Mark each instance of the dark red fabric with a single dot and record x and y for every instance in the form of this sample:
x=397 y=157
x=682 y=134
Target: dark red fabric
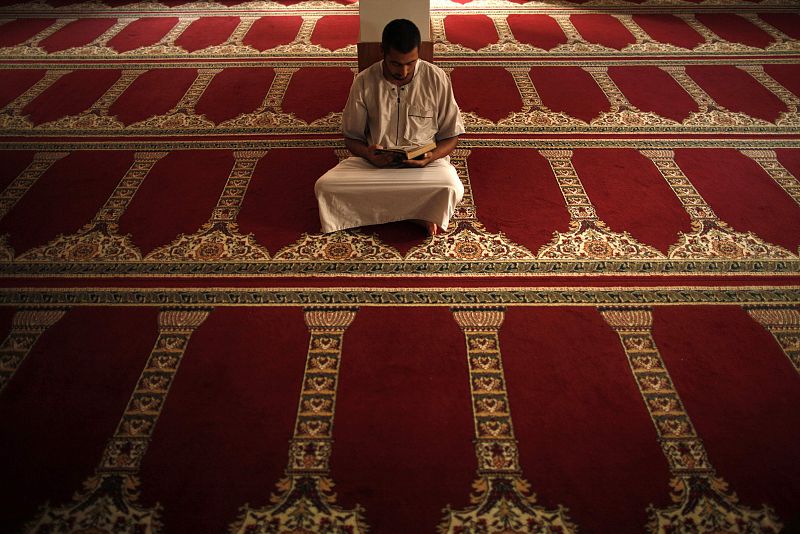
x=335 y=32
x=471 y=31
x=742 y=194
x=142 y=32
x=64 y=404
x=651 y=89
x=83 y=88
x=788 y=23
x=207 y=31
x=541 y=31
x=416 y=355
x=571 y=90
x=6 y=316
x=734 y=28
x=314 y=92
x=269 y=32
x=233 y=92
x=739 y=389
x=522 y=174
x=153 y=93
x=788 y=75
x=735 y=89
x=579 y=416
x=631 y=195
x=489 y=92
x=666 y=28
x=603 y=29
x=17 y=31
x=14 y=162
x=177 y=197
x=227 y=418
x=16 y=81
x=85 y=178
x=280 y=203
x=77 y=33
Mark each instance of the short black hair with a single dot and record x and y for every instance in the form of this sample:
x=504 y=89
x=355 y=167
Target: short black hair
x=401 y=35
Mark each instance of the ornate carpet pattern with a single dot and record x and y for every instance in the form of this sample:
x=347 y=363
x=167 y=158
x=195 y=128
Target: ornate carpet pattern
x=183 y=351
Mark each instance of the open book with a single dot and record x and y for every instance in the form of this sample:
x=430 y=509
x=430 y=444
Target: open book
x=402 y=154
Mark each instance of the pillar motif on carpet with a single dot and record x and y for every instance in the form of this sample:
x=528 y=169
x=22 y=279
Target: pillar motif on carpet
x=305 y=501
x=790 y=117
x=219 y=238
x=588 y=236
x=97 y=117
x=12 y=117
x=713 y=42
x=108 y=501
x=166 y=45
x=31 y=46
x=710 y=236
x=702 y=500
x=99 y=45
x=183 y=115
x=783 y=43
x=27 y=325
x=709 y=113
x=768 y=160
x=99 y=239
x=503 y=500
x=14 y=191
x=784 y=324
x=622 y=112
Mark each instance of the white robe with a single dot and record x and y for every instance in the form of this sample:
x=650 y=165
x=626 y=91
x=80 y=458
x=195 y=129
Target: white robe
x=356 y=193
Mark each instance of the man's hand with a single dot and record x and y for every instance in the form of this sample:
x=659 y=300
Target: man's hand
x=379 y=160
x=426 y=158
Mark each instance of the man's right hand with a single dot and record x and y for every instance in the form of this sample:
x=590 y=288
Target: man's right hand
x=379 y=160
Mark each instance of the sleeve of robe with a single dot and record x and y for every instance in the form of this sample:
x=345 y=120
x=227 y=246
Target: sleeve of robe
x=354 y=117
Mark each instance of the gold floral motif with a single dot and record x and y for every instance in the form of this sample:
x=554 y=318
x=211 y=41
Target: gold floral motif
x=93 y=242
x=706 y=505
x=303 y=504
x=504 y=505
x=468 y=241
x=588 y=239
x=214 y=241
x=107 y=503
x=347 y=245
x=715 y=239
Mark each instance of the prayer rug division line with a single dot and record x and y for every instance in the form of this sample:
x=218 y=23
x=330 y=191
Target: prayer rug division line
x=184 y=351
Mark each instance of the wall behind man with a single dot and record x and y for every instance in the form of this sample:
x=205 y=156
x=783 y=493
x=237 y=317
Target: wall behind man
x=376 y=13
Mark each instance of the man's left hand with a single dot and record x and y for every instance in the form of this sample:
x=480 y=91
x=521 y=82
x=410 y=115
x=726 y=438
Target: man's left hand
x=421 y=162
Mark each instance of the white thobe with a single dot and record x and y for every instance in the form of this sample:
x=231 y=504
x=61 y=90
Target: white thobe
x=355 y=192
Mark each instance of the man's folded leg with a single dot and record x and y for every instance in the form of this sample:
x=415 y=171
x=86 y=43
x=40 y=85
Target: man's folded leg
x=356 y=193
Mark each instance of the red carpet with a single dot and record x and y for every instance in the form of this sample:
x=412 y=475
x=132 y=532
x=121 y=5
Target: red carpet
x=607 y=339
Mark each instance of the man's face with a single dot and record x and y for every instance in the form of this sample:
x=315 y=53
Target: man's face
x=399 y=67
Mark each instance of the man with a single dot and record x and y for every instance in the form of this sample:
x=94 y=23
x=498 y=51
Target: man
x=400 y=102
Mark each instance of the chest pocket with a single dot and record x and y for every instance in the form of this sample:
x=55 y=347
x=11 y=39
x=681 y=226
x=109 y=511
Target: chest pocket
x=421 y=124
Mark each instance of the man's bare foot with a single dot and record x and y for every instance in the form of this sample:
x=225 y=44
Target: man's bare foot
x=431 y=228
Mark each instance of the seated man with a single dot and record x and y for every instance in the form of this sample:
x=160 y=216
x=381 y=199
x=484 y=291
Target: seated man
x=400 y=102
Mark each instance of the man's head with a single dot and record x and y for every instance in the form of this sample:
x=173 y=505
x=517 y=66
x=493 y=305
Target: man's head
x=400 y=45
